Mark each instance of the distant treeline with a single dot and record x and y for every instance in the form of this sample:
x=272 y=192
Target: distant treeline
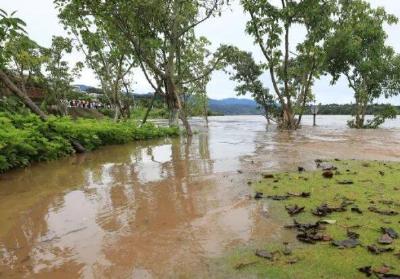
x=347 y=109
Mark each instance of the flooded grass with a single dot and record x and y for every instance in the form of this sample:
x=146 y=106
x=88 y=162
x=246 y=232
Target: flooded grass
x=371 y=187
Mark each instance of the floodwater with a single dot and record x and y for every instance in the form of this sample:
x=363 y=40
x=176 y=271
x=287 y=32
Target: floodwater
x=164 y=208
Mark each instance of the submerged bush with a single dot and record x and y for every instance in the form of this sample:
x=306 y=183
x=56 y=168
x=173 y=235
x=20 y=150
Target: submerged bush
x=24 y=138
x=382 y=114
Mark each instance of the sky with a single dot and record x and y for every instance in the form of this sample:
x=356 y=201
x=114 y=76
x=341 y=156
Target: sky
x=229 y=28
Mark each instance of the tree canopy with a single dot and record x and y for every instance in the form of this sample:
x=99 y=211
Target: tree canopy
x=159 y=34
x=358 y=50
x=158 y=37
x=292 y=67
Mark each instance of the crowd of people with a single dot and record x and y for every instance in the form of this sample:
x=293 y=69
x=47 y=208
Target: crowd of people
x=87 y=104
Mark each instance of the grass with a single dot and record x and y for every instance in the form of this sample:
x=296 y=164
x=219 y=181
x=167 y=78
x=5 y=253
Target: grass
x=323 y=260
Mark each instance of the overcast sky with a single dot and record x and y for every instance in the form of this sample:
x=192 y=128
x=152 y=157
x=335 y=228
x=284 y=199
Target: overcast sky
x=42 y=24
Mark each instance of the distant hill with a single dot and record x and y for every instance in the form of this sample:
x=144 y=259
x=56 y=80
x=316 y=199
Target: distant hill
x=233 y=106
x=229 y=106
x=83 y=87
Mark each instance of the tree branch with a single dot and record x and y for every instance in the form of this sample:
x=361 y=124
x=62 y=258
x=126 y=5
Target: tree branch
x=207 y=16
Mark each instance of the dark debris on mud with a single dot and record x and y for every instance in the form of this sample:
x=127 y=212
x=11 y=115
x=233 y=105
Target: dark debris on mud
x=383 y=212
x=381 y=272
x=324 y=210
x=294 y=209
x=311 y=233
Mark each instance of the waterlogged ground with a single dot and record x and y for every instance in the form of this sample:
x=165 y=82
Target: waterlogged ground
x=344 y=219
x=166 y=208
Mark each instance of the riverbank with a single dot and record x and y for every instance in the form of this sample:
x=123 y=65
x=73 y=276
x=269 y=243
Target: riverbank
x=344 y=218
x=25 y=139
x=120 y=210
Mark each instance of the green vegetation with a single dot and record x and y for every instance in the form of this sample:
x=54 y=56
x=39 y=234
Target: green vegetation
x=348 y=109
x=155 y=113
x=24 y=138
x=357 y=50
x=342 y=38
x=292 y=74
x=175 y=62
x=375 y=184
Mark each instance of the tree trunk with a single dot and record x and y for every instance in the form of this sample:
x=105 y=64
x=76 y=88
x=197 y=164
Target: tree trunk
x=63 y=108
x=173 y=116
x=175 y=106
x=288 y=121
x=149 y=108
x=267 y=114
x=117 y=112
x=206 y=118
x=32 y=106
x=186 y=123
x=361 y=108
x=22 y=96
x=205 y=108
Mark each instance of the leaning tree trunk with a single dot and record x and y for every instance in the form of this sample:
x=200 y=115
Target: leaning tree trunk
x=185 y=122
x=267 y=115
x=176 y=112
x=149 y=108
x=21 y=95
x=175 y=107
x=32 y=106
x=183 y=116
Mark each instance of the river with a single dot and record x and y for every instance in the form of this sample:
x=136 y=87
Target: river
x=163 y=208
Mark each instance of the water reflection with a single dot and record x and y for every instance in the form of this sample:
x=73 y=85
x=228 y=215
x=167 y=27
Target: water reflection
x=159 y=208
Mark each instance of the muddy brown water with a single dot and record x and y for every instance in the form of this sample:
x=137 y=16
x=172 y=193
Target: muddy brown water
x=163 y=208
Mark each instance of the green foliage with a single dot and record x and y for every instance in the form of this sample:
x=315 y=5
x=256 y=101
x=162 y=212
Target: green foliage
x=159 y=34
x=26 y=57
x=24 y=138
x=248 y=73
x=157 y=112
x=380 y=116
x=59 y=75
x=348 y=109
x=11 y=104
x=292 y=74
x=358 y=50
x=10 y=26
x=105 y=51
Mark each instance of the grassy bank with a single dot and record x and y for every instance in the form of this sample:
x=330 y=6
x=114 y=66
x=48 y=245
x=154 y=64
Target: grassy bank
x=25 y=138
x=359 y=200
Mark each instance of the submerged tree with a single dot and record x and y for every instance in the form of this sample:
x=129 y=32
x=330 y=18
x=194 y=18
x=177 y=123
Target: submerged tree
x=292 y=68
x=357 y=49
x=156 y=31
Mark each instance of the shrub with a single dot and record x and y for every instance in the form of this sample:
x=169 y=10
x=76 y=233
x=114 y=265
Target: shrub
x=24 y=138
